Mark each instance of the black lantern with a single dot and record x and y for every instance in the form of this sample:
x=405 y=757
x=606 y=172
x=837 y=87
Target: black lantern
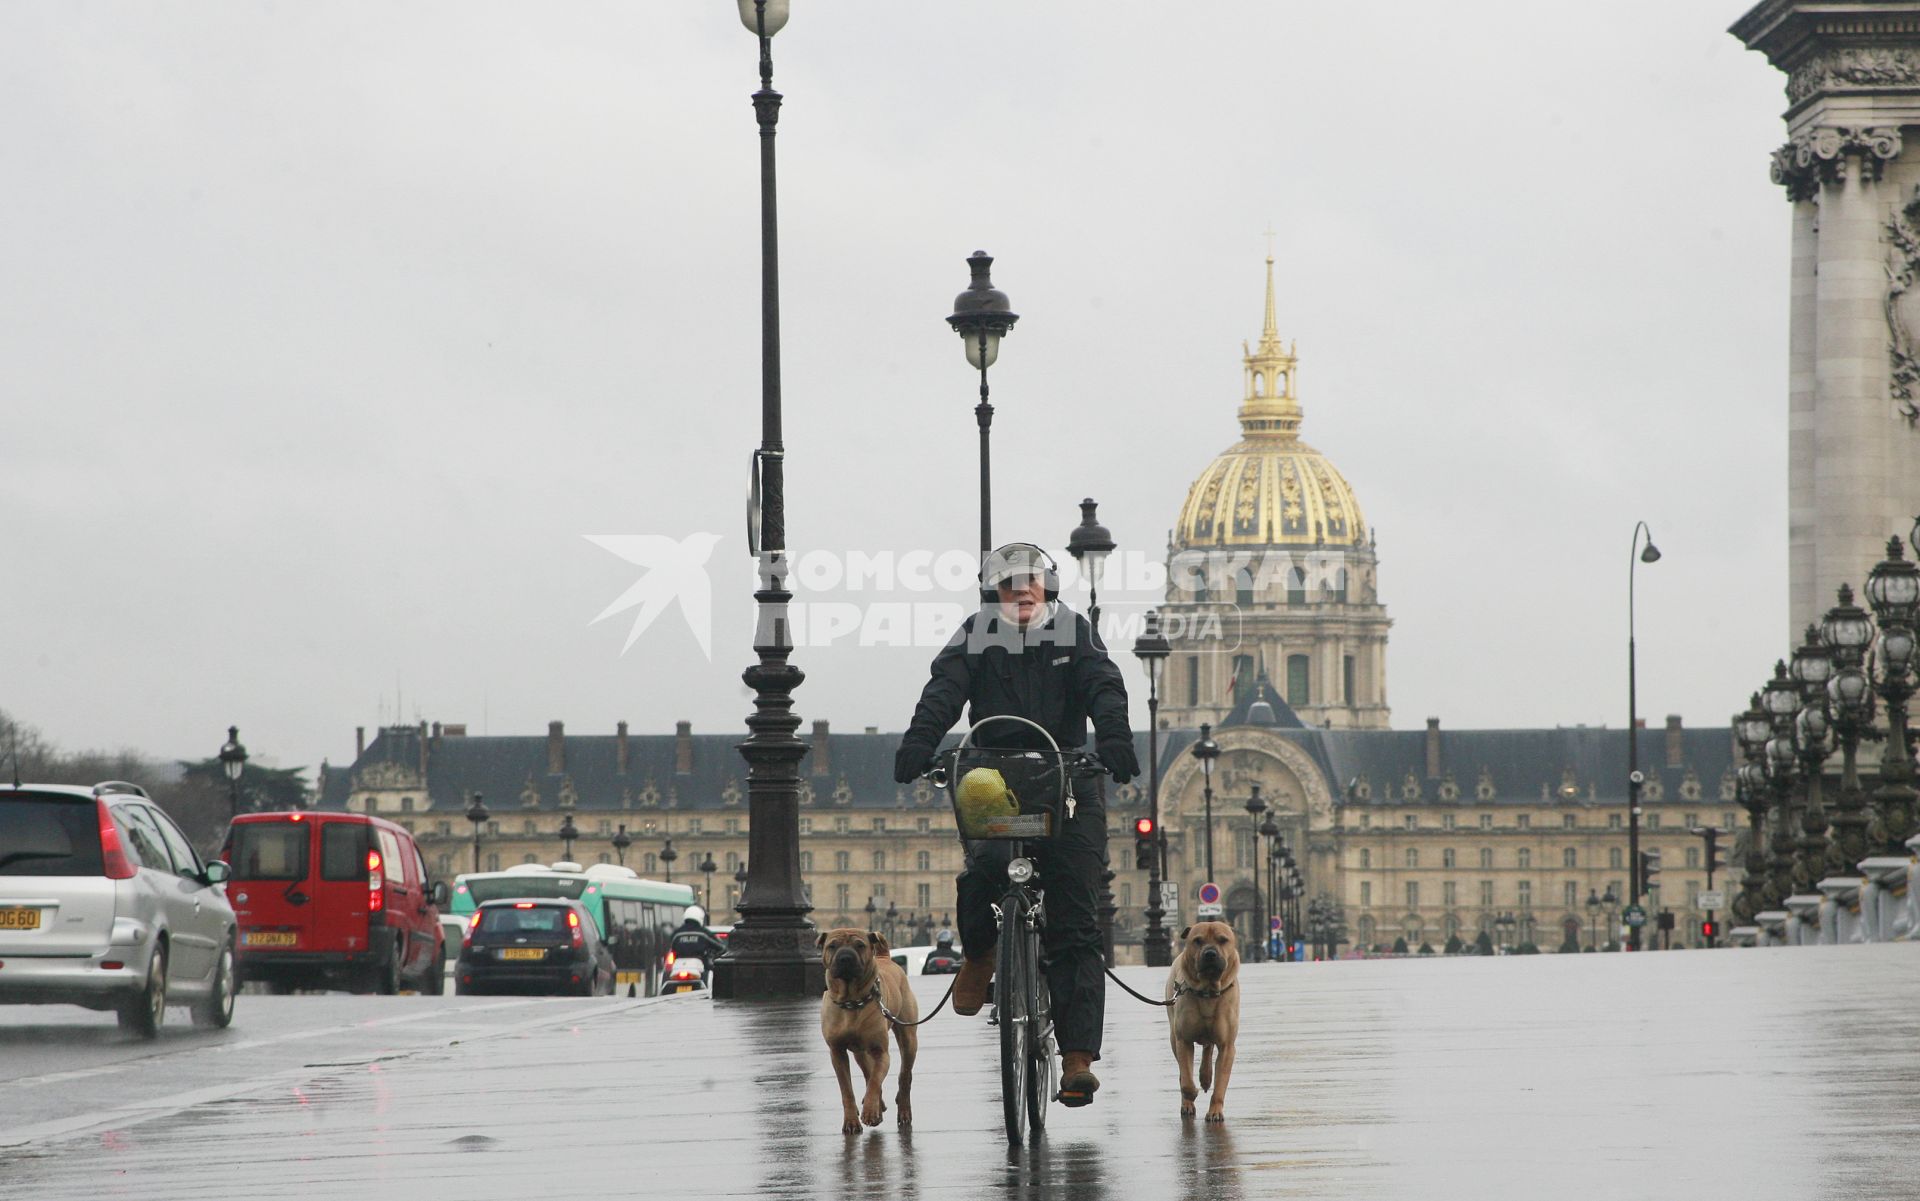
x=667 y=856
x=233 y=759
x=1893 y=588
x=982 y=315
x=477 y=814
x=568 y=832
x=1090 y=544
x=621 y=841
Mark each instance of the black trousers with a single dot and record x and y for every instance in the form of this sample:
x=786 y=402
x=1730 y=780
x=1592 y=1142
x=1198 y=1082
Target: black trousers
x=1073 y=951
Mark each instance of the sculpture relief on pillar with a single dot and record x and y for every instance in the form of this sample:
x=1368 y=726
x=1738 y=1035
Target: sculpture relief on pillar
x=1903 y=270
x=1819 y=156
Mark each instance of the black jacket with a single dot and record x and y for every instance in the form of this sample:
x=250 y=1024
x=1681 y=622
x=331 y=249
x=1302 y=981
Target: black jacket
x=1053 y=674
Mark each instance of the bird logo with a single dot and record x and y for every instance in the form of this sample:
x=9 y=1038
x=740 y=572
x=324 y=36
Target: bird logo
x=674 y=570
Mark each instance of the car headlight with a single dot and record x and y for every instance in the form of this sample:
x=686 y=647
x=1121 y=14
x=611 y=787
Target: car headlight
x=1020 y=870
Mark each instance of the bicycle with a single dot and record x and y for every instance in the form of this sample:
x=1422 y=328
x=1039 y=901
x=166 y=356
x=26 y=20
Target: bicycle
x=1038 y=798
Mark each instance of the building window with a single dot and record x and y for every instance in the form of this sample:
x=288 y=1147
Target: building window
x=1243 y=588
x=442 y=865
x=1613 y=856
x=1126 y=897
x=841 y=825
x=923 y=896
x=925 y=825
x=1486 y=894
x=879 y=825
x=605 y=858
x=1570 y=895
x=842 y=893
x=1526 y=894
x=1193 y=679
x=1613 y=821
x=1449 y=894
x=1525 y=821
x=527 y=827
x=1693 y=856
x=733 y=861
x=1413 y=894
x=1297 y=681
x=1297 y=587
x=923 y=861
x=1526 y=857
x=1242 y=678
x=806 y=861
x=1366 y=821
x=1346 y=675
x=1653 y=821
x=693 y=825
x=1689 y=820
x=445 y=827
x=1413 y=857
x=1446 y=857
x=1366 y=858
x=1486 y=856
x=648 y=867
x=1366 y=892
x=1729 y=822
x=1446 y=821
x=879 y=861
x=1486 y=821
x=528 y=859
x=806 y=825
x=733 y=825
x=606 y=827
x=1570 y=858
x=406 y=804
x=1412 y=822
x=493 y=863
x=1569 y=822
x=842 y=861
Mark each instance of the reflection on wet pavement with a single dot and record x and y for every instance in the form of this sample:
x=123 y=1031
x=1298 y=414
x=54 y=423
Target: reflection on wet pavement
x=1784 y=1074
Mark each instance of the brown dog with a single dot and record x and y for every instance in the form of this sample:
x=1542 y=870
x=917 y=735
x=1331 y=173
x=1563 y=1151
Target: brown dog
x=1206 y=1010
x=861 y=978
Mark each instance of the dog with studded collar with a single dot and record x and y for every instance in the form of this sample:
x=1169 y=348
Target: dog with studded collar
x=1203 y=1010
x=867 y=995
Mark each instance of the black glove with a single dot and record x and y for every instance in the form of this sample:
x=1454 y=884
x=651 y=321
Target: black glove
x=1116 y=755
x=911 y=762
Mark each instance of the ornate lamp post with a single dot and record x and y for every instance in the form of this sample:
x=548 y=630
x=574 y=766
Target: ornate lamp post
x=1270 y=830
x=667 y=856
x=982 y=315
x=1648 y=554
x=1593 y=920
x=621 y=841
x=707 y=866
x=568 y=832
x=477 y=814
x=1811 y=668
x=1256 y=809
x=739 y=885
x=1206 y=751
x=893 y=919
x=1152 y=649
x=1893 y=589
x=1781 y=701
x=1847 y=632
x=771 y=953
x=873 y=912
x=1090 y=543
x=233 y=760
x=1752 y=729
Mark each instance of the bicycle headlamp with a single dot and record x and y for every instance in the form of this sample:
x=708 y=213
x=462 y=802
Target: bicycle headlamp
x=1020 y=870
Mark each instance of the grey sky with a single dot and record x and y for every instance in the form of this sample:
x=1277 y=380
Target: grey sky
x=330 y=330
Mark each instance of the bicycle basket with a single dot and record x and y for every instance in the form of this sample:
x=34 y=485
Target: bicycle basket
x=1002 y=794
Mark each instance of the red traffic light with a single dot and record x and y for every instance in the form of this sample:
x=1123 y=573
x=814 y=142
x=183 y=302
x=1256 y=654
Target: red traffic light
x=1143 y=826
x=1709 y=929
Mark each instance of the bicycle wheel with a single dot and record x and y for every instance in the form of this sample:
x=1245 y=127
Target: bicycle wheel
x=1043 y=1071
x=1012 y=976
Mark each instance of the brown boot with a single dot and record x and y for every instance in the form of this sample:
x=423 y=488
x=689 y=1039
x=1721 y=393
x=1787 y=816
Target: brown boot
x=1077 y=1081
x=970 y=986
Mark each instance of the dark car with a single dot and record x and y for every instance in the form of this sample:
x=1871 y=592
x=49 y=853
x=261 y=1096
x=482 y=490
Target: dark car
x=548 y=945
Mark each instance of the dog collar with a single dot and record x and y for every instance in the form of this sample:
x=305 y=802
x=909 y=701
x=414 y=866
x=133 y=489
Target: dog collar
x=863 y=1002
x=1211 y=992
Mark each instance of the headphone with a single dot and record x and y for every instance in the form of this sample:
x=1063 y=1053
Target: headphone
x=1018 y=558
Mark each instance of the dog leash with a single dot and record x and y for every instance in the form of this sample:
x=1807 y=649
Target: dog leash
x=923 y=1021
x=1136 y=996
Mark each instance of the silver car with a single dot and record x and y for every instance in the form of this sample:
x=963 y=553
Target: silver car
x=104 y=903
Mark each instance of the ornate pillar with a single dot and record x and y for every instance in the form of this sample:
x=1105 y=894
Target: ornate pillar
x=1853 y=92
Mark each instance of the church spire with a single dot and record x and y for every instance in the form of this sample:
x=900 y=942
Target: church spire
x=1269 y=407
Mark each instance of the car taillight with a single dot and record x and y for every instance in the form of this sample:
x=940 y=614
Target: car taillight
x=573 y=927
x=466 y=936
x=376 y=884
x=113 y=857
x=670 y=958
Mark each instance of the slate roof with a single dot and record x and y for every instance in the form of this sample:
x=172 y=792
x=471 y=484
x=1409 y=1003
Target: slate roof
x=1361 y=766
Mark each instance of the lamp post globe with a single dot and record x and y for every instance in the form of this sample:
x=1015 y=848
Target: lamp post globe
x=667 y=856
x=233 y=760
x=1152 y=649
x=982 y=315
x=1893 y=589
x=478 y=815
x=568 y=832
x=1090 y=543
x=621 y=841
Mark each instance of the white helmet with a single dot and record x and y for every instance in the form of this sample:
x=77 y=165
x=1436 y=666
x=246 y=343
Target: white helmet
x=695 y=914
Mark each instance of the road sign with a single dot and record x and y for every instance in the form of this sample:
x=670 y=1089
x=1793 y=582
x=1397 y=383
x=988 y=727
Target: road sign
x=1273 y=923
x=1170 y=901
x=1209 y=893
x=1634 y=916
x=1715 y=899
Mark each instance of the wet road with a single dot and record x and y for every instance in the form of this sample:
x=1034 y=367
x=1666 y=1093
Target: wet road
x=1790 y=1074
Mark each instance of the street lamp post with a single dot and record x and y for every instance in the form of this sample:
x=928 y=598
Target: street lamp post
x=893 y=920
x=477 y=814
x=233 y=759
x=1752 y=730
x=1781 y=700
x=706 y=888
x=1893 y=589
x=739 y=886
x=1593 y=920
x=1650 y=554
x=982 y=316
x=1090 y=543
x=667 y=856
x=621 y=841
x=1152 y=649
x=771 y=953
x=1257 y=808
x=1847 y=632
x=1269 y=830
x=1206 y=751
x=568 y=832
x=873 y=913
x=1811 y=668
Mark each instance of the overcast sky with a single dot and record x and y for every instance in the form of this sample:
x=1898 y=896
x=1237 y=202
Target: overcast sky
x=329 y=333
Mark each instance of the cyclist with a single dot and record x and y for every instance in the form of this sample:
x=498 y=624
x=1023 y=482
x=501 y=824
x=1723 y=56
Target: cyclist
x=943 y=960
x=1024 y=654
x=694 y=941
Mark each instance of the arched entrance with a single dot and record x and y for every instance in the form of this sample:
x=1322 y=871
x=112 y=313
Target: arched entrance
x=1243 y=914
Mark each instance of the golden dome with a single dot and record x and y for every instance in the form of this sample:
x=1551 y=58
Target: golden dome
x=1270 y=488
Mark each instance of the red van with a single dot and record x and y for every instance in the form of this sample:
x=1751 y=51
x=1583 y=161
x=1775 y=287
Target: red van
x=334 y=900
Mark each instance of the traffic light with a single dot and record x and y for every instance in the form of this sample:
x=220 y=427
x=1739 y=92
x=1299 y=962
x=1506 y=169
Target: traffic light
x=1649 y=870
x=1709 y=929
x=1143 y=832
x=1714 y=863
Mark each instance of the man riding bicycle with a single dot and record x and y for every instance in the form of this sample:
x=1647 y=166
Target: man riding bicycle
x=1027 y=655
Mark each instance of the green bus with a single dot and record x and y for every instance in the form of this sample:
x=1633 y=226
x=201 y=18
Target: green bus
x=637 y=917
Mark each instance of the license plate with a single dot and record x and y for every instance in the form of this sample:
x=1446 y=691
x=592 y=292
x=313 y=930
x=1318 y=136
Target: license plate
x=19 y=919
x=270 y=938
x=523 y=953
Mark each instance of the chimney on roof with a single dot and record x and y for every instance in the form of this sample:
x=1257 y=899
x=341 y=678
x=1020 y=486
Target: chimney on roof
x=873 y=729
x=683 y=748
x=620 y=747
x=1676 y=742
x=821 y=764
x=454 y=729
x=359 y=741
x=1433 y=748
x=556 y=748
x=423 y=750
x=436 y=731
